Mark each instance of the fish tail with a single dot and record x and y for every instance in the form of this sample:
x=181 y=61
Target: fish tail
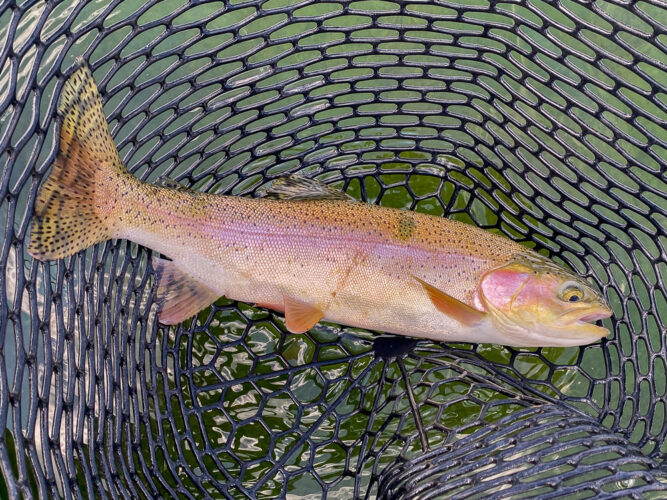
x=76 y=205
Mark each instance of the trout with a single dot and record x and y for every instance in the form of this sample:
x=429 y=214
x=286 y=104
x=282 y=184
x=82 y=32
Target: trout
x=305 y=249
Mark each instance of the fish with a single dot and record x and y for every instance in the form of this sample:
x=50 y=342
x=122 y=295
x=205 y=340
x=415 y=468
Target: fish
x=304 y=249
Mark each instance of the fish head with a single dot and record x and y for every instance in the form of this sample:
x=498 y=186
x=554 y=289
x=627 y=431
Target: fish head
x=534 y=302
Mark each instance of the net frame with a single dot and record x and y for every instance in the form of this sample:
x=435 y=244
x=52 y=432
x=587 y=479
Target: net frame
x=552 y=119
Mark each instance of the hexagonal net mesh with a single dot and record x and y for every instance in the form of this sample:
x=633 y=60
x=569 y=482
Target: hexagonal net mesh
x=540 y=120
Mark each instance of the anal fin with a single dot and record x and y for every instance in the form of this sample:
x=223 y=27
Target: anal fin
x=452 y=307
x=179 y=295
x=300 y=316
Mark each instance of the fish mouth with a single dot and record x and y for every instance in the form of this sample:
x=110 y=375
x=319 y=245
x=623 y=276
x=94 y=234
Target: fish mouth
x=581 y=321
x=571 y=328
x=594 y=316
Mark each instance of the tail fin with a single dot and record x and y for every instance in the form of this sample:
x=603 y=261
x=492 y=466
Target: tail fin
x=75 y=205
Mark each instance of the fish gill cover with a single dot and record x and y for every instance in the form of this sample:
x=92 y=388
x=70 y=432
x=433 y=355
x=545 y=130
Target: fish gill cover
x=543 y=121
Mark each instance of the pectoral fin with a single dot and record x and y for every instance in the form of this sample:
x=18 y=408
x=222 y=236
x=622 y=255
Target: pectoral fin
x=179 y=295
x=454 y=308
x=300 y=316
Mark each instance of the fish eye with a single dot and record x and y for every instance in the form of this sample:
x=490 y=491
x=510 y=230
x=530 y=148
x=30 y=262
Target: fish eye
x=571 y=292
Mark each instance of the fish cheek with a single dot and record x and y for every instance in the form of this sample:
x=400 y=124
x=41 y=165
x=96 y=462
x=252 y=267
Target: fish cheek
x=538 y=300
x=502 y=287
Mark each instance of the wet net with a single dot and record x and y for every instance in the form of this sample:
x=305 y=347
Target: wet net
x=540 y=120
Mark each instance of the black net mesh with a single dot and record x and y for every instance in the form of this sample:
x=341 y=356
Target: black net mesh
x=541 y=120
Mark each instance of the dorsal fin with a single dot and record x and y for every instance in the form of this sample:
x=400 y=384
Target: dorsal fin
x=167 y=182
x=296 y=188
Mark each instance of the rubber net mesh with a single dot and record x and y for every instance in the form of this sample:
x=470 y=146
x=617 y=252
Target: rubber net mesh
x=540 y=120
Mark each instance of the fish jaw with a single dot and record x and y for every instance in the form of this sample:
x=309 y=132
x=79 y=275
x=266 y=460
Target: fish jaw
x=573 y=329
x=581 y=321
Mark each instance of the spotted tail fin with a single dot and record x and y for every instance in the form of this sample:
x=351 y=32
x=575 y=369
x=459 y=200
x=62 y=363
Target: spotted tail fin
x=75 y=207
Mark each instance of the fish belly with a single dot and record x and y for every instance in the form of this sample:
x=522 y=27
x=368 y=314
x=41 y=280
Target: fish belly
x=350 y=284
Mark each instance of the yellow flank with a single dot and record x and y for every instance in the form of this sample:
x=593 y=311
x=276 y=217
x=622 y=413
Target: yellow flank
x=176 y=214
x=352 y=262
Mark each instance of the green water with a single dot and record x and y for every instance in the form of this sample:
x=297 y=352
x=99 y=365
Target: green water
x=343 y=390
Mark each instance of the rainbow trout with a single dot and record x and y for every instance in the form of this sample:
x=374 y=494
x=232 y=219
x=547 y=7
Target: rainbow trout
x=306 y=250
